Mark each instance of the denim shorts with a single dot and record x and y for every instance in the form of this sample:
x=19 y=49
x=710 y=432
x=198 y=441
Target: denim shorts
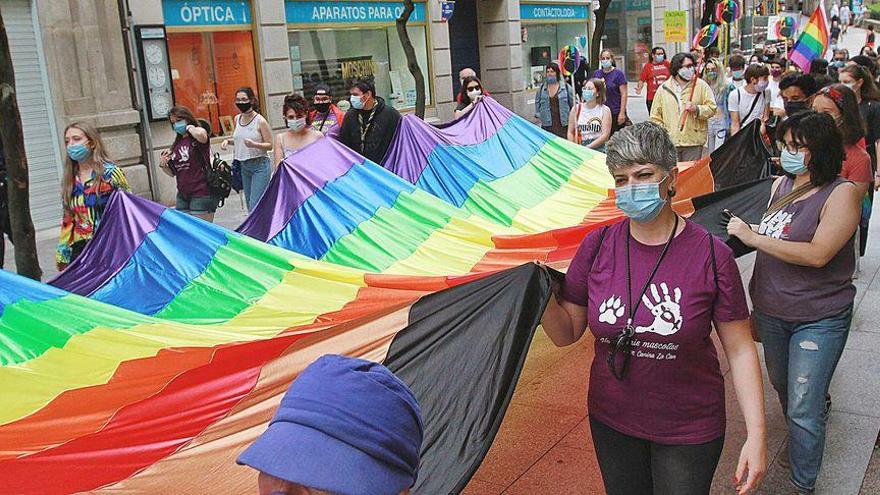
x=196 y=205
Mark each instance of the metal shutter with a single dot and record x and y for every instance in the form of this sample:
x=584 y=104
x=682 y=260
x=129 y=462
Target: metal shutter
x=40 y=140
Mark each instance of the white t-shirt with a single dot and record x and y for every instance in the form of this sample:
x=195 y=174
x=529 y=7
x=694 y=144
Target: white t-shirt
x=590 y=122
x=775 y=95
x=741 y=101
x=739 y=84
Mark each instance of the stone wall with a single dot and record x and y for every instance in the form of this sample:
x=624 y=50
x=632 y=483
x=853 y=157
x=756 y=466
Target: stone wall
x=88 y=77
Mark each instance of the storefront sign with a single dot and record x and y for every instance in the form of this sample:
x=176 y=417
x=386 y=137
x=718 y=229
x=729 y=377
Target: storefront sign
x=617 y=5
x=542 y=12
x=349 y=12
x=675 y=26
x=206 y=12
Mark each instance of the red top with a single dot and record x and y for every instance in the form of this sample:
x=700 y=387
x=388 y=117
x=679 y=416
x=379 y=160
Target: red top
x=857 y=166
x=654 y=75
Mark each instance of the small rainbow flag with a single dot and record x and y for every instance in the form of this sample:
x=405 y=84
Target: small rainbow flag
x=813 y=41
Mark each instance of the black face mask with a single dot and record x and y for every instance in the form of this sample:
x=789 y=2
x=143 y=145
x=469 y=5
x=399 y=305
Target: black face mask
x=793 y=107
x=243 y=107
x=322 y=107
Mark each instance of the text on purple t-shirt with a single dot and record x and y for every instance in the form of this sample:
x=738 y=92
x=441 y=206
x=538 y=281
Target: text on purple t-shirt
x=673 y=391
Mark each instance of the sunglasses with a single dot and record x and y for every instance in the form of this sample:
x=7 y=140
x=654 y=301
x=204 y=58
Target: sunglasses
x=471 y=88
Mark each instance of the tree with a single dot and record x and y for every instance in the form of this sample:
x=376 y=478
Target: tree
x=26 y=261
x=412 y=62
x=598 y=32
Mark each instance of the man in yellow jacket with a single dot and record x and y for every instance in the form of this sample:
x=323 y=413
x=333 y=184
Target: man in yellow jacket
x=678 y=96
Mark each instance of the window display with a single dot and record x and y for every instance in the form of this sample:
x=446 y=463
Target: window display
x=541 y=45
x=338 y=57
x=206 y=70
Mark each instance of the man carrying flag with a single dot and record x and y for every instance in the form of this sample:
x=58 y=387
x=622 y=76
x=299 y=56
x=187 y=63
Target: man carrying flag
x=813 y=41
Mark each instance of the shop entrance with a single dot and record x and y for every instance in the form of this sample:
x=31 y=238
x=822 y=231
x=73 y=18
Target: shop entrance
x=464 y=42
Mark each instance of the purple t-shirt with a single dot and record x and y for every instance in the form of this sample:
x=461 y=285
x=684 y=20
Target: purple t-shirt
x=613 y=81
x=188 y=160
x=673 y=390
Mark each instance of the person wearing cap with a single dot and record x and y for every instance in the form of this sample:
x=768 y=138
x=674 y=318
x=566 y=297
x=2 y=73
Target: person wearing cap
x=326 y=116
x=345 y=426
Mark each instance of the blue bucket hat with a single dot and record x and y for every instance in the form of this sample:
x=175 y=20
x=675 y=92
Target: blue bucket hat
x=346 y=426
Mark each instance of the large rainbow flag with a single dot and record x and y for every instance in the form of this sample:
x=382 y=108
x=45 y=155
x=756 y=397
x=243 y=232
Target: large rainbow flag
x=162 y=351
x=813 y=41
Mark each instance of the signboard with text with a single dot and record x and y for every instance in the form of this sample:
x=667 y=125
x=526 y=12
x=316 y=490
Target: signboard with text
x=556 y=12
x=675 y=26
x=311 y=12
x=206 y=12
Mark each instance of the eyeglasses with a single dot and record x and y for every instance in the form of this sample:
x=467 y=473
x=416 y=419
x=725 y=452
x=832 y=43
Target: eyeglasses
x=791 y=147
x=472 y=88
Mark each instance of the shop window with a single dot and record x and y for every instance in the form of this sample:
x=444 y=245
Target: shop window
x=207 y=69
x=340 y=57
x=541 y=45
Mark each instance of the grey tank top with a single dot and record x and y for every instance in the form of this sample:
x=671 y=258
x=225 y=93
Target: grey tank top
x=800 y=293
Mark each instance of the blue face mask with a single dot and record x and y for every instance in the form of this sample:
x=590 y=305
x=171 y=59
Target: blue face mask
x=738 y=74
x=605 y=63
x=356 y=102
x=589 y=94
x=659 y=57
x=793 y=163
x=551 y=80
x=640 y=202
x=179 y=127
x=78 y=152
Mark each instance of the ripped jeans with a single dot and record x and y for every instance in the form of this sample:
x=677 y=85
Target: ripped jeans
x=801 y=359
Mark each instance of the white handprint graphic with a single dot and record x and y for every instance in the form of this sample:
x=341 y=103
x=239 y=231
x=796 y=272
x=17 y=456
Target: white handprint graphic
x=611 y=310
x=666 y=310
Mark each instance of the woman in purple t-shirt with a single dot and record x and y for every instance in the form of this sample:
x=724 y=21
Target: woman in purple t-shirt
x=802 y=287
x=650 y=289
x=186 y=160
x=615 y=88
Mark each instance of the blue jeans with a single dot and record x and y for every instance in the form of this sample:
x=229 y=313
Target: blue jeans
x=255 y=175
x=801 y=359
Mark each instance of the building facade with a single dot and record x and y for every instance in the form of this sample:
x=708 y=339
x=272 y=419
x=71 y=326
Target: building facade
x=121 y=64
x=70 y=65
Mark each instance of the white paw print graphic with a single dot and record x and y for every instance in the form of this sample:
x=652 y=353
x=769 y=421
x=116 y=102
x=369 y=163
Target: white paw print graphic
x=611 y=310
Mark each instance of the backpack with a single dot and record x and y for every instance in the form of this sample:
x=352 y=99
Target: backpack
x=219 y=175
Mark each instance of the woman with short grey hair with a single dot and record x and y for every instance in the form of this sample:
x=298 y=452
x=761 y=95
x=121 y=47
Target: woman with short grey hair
x=650 y=288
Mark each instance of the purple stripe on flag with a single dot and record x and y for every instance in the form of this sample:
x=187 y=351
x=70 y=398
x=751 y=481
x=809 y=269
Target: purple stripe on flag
x=415 y=139
x=295 y=181
x=124 y=225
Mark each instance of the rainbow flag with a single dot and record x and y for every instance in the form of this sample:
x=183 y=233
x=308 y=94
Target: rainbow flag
x=813 y=41
x=160 y=353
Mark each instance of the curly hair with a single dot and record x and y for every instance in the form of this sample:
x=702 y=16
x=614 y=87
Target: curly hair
x=300 y=106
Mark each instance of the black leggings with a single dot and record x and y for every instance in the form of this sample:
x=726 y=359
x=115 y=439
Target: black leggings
x=632 y=466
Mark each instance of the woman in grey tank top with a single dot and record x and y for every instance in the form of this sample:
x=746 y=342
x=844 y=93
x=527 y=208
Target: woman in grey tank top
x=802 y=288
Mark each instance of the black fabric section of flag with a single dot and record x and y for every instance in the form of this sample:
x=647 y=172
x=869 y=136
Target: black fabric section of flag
x=462 y=354
x=747 y=201
x=742 y=158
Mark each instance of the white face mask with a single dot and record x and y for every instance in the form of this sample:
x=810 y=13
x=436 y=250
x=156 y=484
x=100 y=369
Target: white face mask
x=473 y=93
x=296 y=124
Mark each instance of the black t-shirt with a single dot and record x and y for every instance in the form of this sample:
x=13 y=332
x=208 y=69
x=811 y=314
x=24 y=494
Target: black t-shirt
x=462 y=106
x=870 y=111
